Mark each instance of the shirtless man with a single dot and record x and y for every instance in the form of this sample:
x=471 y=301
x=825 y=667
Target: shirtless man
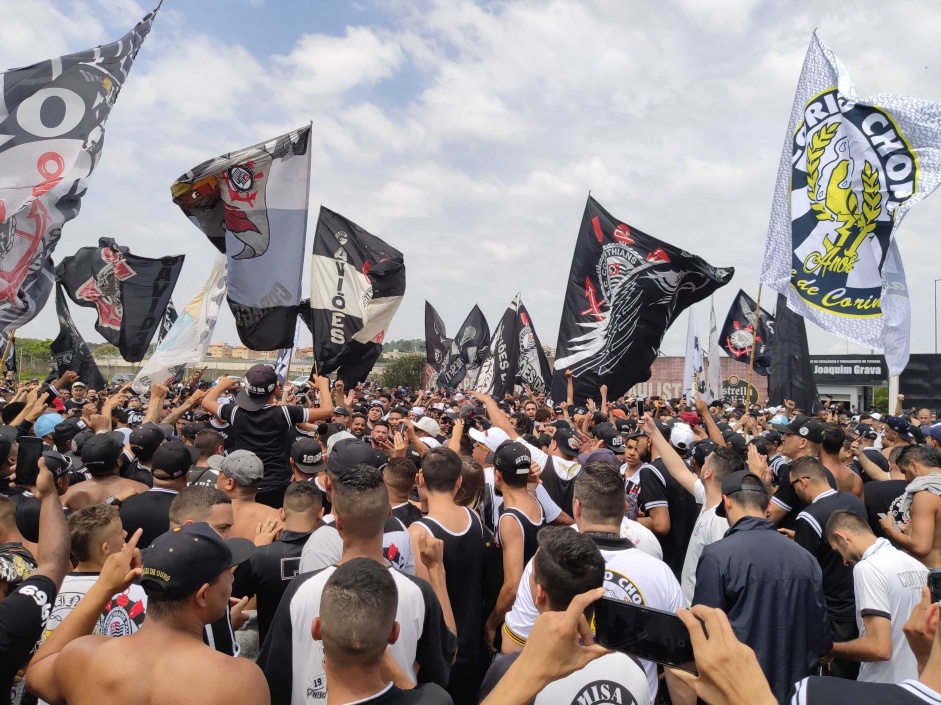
x=920 y=535
x=830 y=448
x=100 y=455
x=188 y=585
x=239 y=476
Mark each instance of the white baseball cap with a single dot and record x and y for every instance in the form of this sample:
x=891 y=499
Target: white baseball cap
x=493 y=437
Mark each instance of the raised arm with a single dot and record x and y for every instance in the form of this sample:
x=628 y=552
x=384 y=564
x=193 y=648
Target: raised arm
x=325 y=411
x=497 y=417
x=674 y=463
x=210 y=402
x=54 y=540
x=158 y=392
x=703 y=410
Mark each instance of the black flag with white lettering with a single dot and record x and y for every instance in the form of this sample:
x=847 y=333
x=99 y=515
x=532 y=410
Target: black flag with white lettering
x=624 y=290
x=69 y=351
x=515 y=356
x=468 y=349
x=357 y=282
x=130 y=292
x=742 y=332
x=791 y=375
x=437 y=342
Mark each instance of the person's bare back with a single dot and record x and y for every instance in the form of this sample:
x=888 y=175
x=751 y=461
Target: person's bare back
x=248 y=515
x=98 y=489
x=159 y=666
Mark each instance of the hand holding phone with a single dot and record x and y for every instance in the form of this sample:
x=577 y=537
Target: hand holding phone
x=644 y=632
x=27 y=460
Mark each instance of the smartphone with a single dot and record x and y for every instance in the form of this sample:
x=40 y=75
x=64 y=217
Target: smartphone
x=934 y=584
x=640 y=410
x=644 y=632
x=882 y=515
x=27 y=460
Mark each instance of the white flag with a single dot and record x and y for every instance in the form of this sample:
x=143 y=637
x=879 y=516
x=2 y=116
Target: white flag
x=714 y=372
x=188 y=339
x=283 y=363
x=850 y=171
x=694 y=379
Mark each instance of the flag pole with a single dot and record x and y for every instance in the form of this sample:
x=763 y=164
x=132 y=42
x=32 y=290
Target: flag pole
x=6 y=350
x=287 y=372
x=751 y=362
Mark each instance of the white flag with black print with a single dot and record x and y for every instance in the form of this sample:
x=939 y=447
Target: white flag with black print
x=189 y=338
x=694 y=378
x=714 y=368
x=52 y=129
x=357 y=282
x=850 y=170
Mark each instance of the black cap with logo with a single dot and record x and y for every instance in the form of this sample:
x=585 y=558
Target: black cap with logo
x=512 y=458
x=736 y=482
x=260 y=383
x=308 y=455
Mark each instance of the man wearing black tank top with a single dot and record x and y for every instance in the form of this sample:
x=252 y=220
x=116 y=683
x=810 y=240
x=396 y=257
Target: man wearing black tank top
x=520 y=522
x=466 y=546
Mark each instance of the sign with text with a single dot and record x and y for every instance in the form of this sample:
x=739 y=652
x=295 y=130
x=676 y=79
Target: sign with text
x=736 y=390
x=854 y=370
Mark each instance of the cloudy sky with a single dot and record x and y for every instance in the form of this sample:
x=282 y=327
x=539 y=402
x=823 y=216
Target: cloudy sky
x=468 y=134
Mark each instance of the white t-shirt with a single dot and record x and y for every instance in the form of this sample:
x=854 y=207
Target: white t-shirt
x=630 y=575
x=642 y=537
x=888 y=583
x=122 y=615
x=708 y=529
x=615 y=678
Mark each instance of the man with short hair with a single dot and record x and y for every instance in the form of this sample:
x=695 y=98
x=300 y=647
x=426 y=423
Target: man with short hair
x=211 y=447
x=569 y=564
x=293 y=664
x=808 y=476
x=100 y=455
x=830 y=449
x=887 y=585
x=399 y=475
x=240 y=474
x=357 y=623
x=919 y=507
x=267 y=573
x=801 y=437
x=150 y=511
x=78 y=400
x=358 y=425
x=264 y=427
x=186 y=575
x=767 y=585
x=307 y=461
x=325 y=546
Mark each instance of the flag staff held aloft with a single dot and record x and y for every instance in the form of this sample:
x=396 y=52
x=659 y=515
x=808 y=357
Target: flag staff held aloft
x=751 y=361
x=6 y=348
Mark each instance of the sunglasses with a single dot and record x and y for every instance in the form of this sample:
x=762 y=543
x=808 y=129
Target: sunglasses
x=798 y=480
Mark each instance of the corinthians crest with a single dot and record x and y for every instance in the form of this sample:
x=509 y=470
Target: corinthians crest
x=104 y=289
x=852 y=169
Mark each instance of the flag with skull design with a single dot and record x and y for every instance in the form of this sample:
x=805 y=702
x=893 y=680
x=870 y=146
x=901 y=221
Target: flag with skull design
x=624 y=290
x=515 y=356
x=746 y=328
x=252 y=205
x=468 y=349
x=52 y=128
x=130 y=292
x=850 y=170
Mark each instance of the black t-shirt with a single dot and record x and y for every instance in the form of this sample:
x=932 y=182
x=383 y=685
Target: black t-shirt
x=840 y=691
x=228 y=438
x=268 y=433
x=407 y=513
x=876 y=457
x=70 y=404
x=149 y=511
x=658 y=488
x=267 y=574
x=27 y=515
x=425 y=694
x=838 y=587
x=132 y=469
x=787 y=498
x=877 y=498
x=23 y=617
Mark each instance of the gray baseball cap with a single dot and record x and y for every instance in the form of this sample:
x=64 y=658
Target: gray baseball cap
x=244 y=467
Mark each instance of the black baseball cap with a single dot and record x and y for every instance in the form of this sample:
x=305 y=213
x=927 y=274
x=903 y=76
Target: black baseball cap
x=173 y=459
x=736 y=441
x=805 y=427
x=68 y=429
x=101 y=452
x=736 y=482
x=350 y=452
x=57 y=463
x=260 y=383
x=772 y=436
x=901 y=426
x=308 y=455
x=566 y=440
x=612 y=439
x=325 y=430
x=512 y=458
x=181 y=561
x=147 y=437
x=191 y=429
x=702 y=449
x=865 y=430
x=341 y=411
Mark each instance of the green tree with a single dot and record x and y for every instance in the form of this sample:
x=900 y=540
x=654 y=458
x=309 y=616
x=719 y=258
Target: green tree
x=880 y=397
x=107 y=350
x=404 y=371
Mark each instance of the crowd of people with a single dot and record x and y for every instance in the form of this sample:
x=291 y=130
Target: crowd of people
x=254 y=542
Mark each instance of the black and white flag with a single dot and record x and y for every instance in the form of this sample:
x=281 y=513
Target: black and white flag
x=130 y=292
x=252 y=205
x=357 y=282
x=468 y=349
x=624 y=290
x=742 y=332
x=69 y=351
x=9 y=365
x=52 y=128
x=166 y=323
x=791 y=375
x=515 y=356
x=437 y=342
